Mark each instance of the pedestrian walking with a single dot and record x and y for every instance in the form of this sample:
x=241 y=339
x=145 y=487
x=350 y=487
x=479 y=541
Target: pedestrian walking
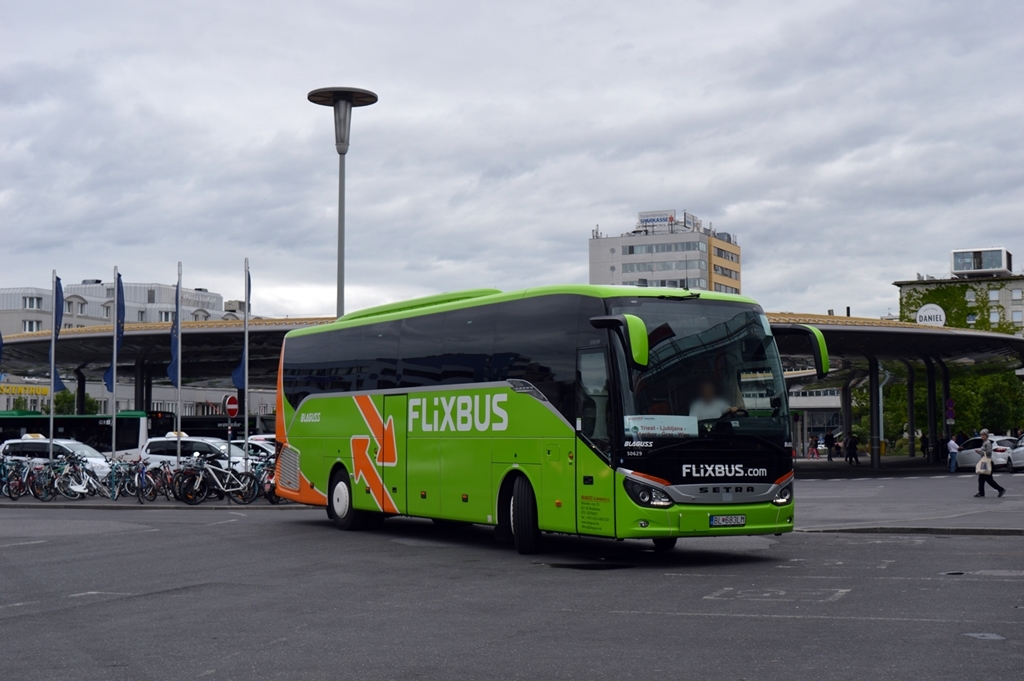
x=954 y=448
x=830 y=443
x=812 y=448
x=984 y=467
x=851 y=449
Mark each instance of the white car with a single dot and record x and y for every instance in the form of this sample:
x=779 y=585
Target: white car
x=160 y=449
x=36 y=447
x=970 y=453
x=1015 y=459
x=260 y=446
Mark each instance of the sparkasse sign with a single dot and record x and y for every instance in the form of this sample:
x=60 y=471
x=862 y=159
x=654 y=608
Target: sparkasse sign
x=656 y=218
x=931 y=315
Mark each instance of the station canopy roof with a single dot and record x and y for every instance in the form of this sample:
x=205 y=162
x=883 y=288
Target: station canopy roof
x=211 y=350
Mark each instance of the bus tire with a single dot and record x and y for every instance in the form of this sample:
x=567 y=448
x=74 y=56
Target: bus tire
x=503 y=528
x=664 y=544
x=339 y=503
x=523 y=514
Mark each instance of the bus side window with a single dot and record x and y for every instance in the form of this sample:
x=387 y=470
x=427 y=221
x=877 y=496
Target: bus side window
x=593 y=405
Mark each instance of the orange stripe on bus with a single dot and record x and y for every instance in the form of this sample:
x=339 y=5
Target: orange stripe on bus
x=784 y=478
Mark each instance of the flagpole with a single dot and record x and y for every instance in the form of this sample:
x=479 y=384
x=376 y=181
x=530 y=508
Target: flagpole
x=177 y=322
x=53 y=351
x=113 y=376
x=245 y=359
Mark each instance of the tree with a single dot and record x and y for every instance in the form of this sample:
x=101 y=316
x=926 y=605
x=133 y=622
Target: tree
x=20 y=404
x=64 y=403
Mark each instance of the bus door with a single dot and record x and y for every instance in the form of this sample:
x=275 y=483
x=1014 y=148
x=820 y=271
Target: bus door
x=390 y=459
x=595 y=480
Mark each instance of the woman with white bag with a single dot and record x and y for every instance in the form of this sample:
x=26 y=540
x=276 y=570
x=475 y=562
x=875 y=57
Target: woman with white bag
x=984 y=467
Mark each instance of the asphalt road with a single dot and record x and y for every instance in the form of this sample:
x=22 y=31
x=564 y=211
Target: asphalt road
x=98 y=594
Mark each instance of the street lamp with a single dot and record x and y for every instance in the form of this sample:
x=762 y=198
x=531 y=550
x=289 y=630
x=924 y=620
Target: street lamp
x=342 y=99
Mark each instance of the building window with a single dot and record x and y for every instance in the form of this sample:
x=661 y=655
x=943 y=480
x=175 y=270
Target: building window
x=993 y=295
x=1017 y=295
x=727 y=255
x=993 y=317
x=151 y=296
x=969 y=296
x=32 y=303
x=69 y=307
x=106 y=312
x=1018 y=316
x=971 y=318
x=167 y=316
x=81 y=308
x=69 y=326
x=142 y=315
x=30 y=325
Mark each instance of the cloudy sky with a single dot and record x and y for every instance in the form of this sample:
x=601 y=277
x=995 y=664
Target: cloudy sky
x=847 y=145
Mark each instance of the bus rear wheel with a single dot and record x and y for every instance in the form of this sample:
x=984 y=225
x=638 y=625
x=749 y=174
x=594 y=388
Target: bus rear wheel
x=339 y=503
x=664 y=544
x=523 y=514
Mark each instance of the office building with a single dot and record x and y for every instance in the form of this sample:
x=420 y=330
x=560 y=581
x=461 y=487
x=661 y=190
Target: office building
x=979 y=292
x=24 y=310
x=664 y=251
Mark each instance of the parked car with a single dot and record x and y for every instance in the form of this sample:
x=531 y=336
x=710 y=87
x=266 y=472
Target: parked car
x=259 y=446
x=1015 y=459
x=970 y=453
x=36 y=447
x=160 y=449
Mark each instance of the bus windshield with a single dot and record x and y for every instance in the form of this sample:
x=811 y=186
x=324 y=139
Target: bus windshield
x=713 y=369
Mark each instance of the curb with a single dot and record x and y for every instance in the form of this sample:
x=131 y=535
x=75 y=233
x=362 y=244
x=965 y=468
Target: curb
x=979 y=531
x=161 y=507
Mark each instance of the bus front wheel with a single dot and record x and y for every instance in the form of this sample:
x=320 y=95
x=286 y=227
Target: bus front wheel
x=523 y=514
x=340 y=503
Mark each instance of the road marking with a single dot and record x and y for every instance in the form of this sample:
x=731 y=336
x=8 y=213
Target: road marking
x=236 y=513
x=99 y=593
x=911 y=477
x=987 y=637
x=936 y=477
x=222 y=522
x=837 y=618
x=774 y=594
x=23 y=543
x=17 y=605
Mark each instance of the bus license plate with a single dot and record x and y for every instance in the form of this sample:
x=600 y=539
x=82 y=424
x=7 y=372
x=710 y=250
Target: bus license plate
x=728 y=520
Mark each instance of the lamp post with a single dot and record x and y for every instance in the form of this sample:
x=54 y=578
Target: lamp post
x=342 y=99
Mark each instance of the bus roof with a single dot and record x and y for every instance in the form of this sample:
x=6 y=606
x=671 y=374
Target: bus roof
x=474 y=297
x=121 y=415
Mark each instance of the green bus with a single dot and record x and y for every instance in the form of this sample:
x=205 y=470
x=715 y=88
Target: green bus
x=133 y=428
x=608 y=411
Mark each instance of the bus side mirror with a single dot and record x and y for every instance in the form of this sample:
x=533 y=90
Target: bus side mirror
x=633 y=333
x=795 y=339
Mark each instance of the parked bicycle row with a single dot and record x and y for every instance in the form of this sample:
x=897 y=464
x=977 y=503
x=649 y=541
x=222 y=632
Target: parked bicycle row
x=74 y=475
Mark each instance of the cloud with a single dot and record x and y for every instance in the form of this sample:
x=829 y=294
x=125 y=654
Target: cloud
x=847 y=145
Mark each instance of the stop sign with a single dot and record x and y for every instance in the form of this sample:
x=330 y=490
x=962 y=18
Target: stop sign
x=230 y=405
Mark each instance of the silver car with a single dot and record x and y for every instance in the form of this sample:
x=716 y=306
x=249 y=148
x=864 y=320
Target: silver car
x=970 y=453
x=1015 y=459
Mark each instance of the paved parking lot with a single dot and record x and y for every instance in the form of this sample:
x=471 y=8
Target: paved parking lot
x=98 y=594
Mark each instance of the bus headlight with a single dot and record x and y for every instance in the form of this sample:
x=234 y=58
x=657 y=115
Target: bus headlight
x=645 y=495
x=784 y=496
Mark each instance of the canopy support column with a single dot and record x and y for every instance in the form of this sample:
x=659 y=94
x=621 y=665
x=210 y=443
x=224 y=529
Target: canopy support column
x=140 y=383
x=846 y=407
x=947 y=427
x=933 y=435
x=875 y=406
x=911 y=412
x=148 y=397
x=80 y=390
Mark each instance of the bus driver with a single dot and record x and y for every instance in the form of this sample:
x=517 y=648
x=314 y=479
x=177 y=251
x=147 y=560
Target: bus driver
x=710 y=405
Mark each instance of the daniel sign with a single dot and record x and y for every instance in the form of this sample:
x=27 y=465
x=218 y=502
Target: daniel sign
x=931 y=315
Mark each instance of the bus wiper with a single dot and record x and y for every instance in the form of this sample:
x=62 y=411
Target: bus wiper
x=689 y=296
